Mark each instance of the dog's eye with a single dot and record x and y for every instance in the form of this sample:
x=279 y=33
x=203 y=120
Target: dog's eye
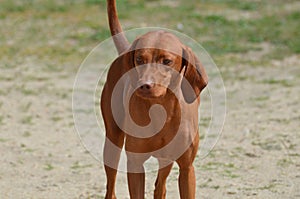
x=139 y=60
x=167 y=61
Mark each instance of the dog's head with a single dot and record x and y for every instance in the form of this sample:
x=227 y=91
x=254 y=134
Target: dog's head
x=160 y=59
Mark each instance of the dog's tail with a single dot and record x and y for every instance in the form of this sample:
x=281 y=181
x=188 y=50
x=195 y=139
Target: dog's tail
x=116 y=31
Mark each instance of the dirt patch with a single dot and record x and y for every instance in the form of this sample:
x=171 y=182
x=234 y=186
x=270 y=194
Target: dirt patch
x=257 y=156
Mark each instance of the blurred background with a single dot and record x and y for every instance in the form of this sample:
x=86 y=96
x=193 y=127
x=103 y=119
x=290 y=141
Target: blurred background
x=255 y=44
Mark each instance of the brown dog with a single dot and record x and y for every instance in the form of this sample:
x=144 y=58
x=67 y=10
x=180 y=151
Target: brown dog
x=156 y=63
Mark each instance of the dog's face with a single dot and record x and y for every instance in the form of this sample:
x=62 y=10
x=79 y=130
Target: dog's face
x=156 y=70
x=160 y=59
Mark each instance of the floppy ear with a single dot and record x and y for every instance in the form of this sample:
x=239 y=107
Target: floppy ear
x=195 y=75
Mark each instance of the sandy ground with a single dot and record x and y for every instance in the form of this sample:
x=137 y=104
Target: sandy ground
x=256 y=157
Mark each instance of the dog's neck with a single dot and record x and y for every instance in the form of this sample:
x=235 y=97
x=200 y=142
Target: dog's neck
x=139 y=107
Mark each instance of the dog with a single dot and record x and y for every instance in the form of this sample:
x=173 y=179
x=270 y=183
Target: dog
x=155 y=71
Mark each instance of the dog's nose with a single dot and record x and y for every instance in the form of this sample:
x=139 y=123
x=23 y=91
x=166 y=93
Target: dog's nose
x=146 y=86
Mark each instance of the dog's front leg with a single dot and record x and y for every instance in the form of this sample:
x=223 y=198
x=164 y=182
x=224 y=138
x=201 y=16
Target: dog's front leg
x=187 y=183
x=112 y=149
x=136 y=183
x=160 y=183
x=187 y=180
x=136 y=176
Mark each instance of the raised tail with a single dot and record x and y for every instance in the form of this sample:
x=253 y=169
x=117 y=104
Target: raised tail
x=116 y=31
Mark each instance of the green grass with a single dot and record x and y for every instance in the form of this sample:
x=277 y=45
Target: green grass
x=25 y=107
x=26 y=149
x=261 y=98
x=282 y=82
x=267 y=144
x=284 y=162
x=230 y=174
x=27 y=119
x=267 y=187
x=48 y=167
x=1 y=119
x=26 y=134
x=239 y=36
x=3 y=140
x=218 y=165
x=77 y=165
x=75 y=25
x=56 y=118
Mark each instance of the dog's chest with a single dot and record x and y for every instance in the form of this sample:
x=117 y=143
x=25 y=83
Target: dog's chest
x=144 y=112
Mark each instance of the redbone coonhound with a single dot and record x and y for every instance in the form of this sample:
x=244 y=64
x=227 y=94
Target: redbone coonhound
x=165 y=62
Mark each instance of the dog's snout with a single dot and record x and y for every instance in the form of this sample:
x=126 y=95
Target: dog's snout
x=146 y=86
